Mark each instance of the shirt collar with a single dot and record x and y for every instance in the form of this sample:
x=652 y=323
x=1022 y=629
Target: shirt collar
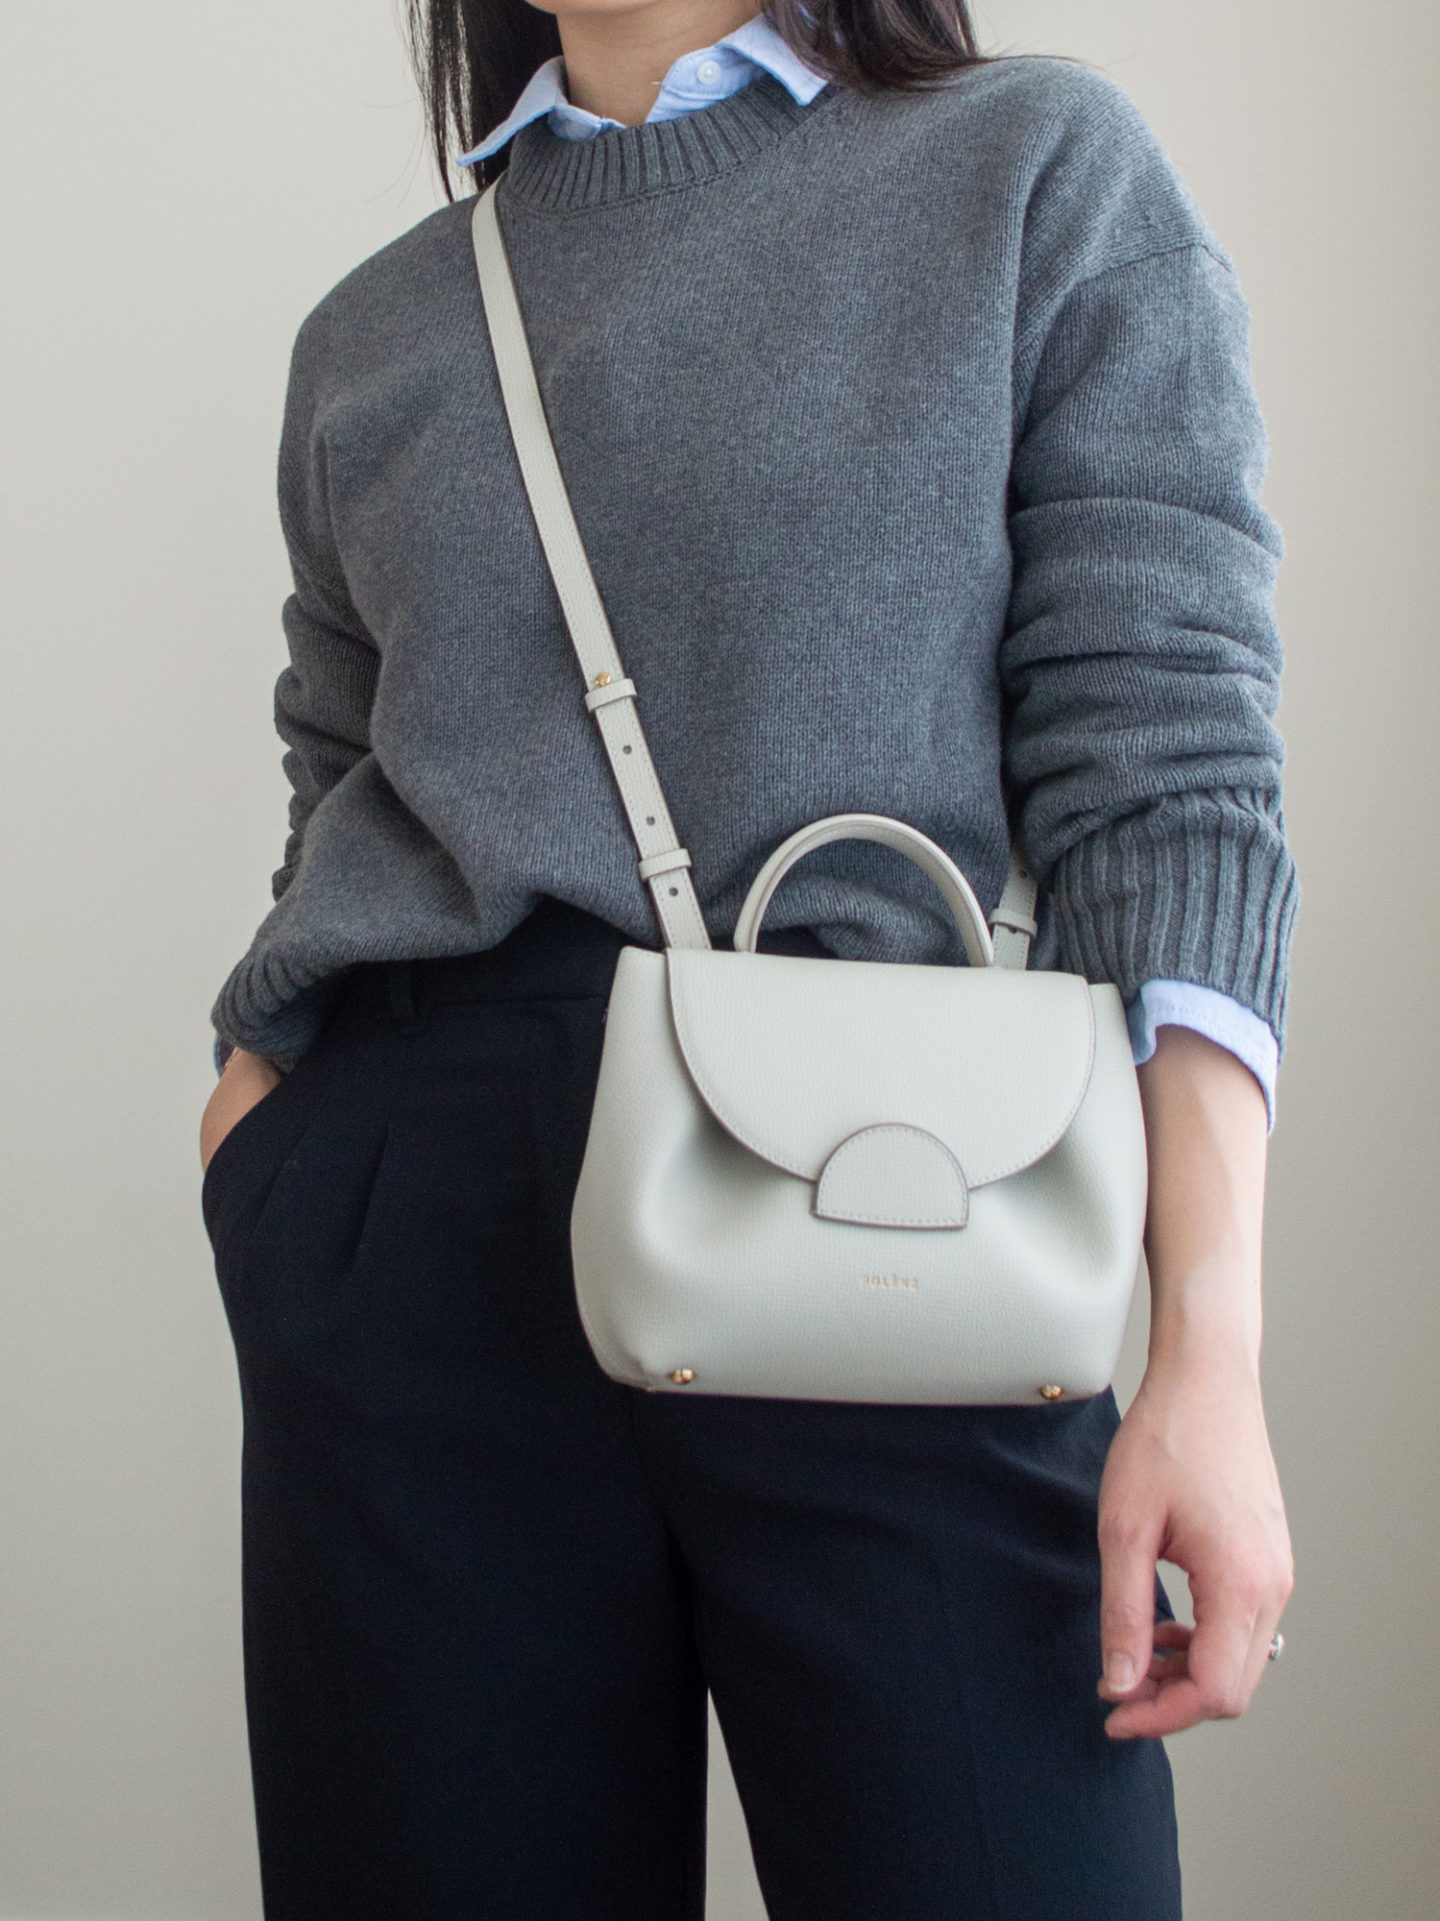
x=753 y=44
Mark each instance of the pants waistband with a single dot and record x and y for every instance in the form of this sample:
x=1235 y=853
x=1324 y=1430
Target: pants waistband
x=558 y=952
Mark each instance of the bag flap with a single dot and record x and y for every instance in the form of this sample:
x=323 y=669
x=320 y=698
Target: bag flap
x=793 y=1054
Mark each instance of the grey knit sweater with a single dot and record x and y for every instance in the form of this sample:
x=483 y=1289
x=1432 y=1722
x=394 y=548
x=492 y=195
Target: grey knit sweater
x=914 y=448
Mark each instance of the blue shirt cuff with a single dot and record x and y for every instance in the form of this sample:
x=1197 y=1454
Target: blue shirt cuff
x=1217 y=1017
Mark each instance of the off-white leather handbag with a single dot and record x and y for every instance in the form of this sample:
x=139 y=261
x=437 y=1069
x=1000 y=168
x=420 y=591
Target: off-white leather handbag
x=822 y=1179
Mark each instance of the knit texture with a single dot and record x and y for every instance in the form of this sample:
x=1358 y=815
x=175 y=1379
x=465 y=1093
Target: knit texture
x=913 y=444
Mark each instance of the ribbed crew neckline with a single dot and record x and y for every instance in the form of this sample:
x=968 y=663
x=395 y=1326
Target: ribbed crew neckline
x=625 y=163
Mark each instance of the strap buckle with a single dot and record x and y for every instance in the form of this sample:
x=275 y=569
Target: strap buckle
x=609 y=690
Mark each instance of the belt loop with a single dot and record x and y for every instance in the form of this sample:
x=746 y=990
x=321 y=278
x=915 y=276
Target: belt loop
x=400 y=988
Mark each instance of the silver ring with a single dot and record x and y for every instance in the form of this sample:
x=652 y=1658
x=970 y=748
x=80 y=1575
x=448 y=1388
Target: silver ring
x=1277 y=1647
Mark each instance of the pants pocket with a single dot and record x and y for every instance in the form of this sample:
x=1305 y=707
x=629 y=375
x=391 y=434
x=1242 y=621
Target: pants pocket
x=241 y=1172
x=292 y=1205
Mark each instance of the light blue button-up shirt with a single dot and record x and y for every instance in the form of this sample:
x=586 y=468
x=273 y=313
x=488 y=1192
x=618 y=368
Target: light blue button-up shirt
x=697 y=80
x=694 y=80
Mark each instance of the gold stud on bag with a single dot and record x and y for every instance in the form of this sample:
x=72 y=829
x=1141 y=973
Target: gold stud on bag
x=827 y=1179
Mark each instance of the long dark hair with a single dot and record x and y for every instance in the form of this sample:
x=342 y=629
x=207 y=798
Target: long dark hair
x=472 y=57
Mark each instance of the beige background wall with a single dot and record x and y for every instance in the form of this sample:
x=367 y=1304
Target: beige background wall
x=183 y=182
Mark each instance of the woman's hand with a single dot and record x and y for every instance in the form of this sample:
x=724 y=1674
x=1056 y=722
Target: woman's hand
x=1190 y=1477
x=246 y=1080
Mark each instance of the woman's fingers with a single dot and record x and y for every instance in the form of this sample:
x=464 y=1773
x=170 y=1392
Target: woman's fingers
x=1228 y=1611
x=1127 y=1606
x=1266 y=1623
x=1168 y=1663
x=1173 y=1708
x=1214 y=1671
x=1173 y=1635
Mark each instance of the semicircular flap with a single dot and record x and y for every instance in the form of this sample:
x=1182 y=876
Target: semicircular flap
x=792 y=1054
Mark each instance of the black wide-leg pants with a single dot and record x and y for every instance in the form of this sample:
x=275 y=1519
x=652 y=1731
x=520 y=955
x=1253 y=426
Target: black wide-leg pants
x=486 y=1589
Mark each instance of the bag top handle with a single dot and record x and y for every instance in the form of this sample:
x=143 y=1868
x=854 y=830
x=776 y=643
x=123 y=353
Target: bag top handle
x=610 y=695
x=918 y=847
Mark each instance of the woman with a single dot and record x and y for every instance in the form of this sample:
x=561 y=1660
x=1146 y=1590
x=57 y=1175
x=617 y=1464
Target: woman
x=904 y=405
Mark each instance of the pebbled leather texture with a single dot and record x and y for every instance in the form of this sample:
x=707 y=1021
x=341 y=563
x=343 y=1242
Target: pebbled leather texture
x=793 y=1055
x=693 y=1249
x=893 y=1175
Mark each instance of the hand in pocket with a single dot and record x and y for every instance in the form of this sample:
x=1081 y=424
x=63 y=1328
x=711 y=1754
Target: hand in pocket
x=247 y=1079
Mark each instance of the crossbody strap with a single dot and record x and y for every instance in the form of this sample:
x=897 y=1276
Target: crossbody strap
x=1012 y=925
x=610 y=695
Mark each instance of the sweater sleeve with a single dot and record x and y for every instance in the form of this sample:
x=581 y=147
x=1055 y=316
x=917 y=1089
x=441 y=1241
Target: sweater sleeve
x=322 y=703
x=325 y=692
x=1141 y=661
x=324 y=695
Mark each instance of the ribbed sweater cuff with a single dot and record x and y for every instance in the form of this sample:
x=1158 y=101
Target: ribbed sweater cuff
x=1200 y=888
x=272 y=1009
